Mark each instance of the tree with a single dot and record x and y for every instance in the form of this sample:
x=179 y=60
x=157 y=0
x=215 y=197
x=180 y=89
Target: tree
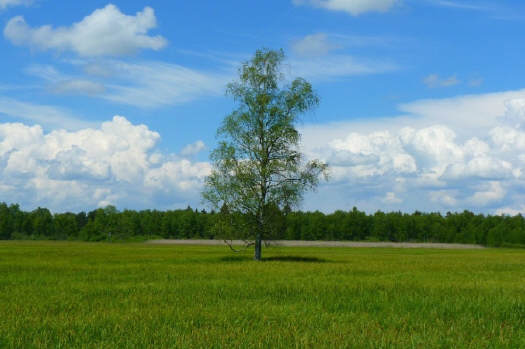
x=257 y=165
x=5 y=222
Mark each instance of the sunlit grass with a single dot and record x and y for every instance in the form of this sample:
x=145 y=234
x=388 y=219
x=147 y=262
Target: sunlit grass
x=136 y=295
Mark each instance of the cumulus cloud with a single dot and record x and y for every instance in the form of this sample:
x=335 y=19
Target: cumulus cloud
x=444 y=198
x=489 y=193
x=373 y=155
x=511 y=211
x=116 y=163
x=106 y=31
x=391 y=198
x=515 y=115
x=434 y=80
x=470 y=115
x=353 y=7
x=433 y=159
x=193 y=149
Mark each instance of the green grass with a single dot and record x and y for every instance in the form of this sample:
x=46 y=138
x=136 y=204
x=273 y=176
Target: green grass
x=59 y=294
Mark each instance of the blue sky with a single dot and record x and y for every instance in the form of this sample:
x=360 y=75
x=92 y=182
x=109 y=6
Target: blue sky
x=422 y=102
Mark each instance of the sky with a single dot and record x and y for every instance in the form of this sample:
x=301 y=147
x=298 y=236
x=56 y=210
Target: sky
x=422 y=101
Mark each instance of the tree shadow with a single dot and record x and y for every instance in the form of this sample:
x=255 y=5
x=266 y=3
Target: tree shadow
x=274 y=259
x=235 y=258
x=294 y=259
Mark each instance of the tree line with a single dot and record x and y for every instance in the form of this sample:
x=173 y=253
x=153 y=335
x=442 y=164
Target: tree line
x=110 y=224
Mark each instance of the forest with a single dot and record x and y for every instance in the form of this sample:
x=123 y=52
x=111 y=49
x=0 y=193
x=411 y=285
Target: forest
x=110 y=224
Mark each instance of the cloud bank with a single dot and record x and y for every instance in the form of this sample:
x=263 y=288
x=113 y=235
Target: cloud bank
x=443 y=156
x=116 y=163
x=440 y=155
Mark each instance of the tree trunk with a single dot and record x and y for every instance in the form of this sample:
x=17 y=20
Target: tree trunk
x=258 y=245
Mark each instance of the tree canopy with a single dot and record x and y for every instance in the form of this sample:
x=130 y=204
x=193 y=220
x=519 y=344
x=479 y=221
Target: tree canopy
x=258 y=168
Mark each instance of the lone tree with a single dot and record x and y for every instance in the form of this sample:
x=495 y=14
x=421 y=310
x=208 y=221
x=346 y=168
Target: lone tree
x=258 y=170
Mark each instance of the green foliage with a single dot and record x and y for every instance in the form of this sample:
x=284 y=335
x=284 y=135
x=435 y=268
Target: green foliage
x=85 y=295
x=257 y=167
x=109 y=224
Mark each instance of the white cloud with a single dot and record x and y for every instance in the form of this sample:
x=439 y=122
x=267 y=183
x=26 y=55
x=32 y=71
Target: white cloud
x=7 y=3
x=444 y=198
x=353 y=7
x=314 y=57
x=450 y=154
x=337 y=66
x=459 y=5
x=154 y=84
x=141 y=84
x=492 y=192
x=193 y=149
x=391 y=198
x=97 y=69
x=485 y=167
x=44 y=71
x=78 y=86
x=181 y=175
x=434 y=80
x=368 y=155
x=470 y=115
x=515 y=114
x=408 y=163
x=63 y=84
x=314 y=45
x=106 y=31
x=116 y=163
x=467 y=116
x=508 y=138
x=46 y=115
x=511 y=211
x=321 y=44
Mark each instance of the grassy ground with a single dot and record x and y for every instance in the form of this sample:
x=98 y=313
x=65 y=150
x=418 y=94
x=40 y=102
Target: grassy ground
x=136 y=295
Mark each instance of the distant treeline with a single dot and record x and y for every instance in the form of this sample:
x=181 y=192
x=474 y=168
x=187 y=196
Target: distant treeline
x=110 y=224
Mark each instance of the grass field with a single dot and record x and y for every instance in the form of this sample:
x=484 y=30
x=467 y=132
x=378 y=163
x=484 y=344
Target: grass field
x=138 y=295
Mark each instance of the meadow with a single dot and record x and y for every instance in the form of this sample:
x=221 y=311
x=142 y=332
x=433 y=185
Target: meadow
x=103 y=295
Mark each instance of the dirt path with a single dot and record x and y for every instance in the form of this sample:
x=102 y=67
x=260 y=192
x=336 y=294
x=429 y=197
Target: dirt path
x=323 y=244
